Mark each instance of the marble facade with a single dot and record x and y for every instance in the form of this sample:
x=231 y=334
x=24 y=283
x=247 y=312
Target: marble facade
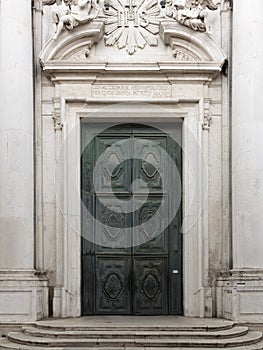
x=203 y=67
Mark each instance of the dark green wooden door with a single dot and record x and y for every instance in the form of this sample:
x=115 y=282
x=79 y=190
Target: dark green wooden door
x=119 y=276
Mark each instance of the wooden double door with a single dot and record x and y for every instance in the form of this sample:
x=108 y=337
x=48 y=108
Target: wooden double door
x=120 y=276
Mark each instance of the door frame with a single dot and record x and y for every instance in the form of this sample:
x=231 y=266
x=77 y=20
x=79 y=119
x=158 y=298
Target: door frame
x=73 y=88
x=195 y=242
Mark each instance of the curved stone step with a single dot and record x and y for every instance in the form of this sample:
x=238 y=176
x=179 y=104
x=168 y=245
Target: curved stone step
x=244 y=340
x=107 y=334
x=166 y=323
x=7 y=345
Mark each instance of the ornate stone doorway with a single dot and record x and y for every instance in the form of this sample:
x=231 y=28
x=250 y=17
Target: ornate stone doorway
x=84 y=77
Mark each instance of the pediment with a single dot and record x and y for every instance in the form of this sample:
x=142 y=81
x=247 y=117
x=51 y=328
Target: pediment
x=72 y=44
x=189 y=45
x=189 y=52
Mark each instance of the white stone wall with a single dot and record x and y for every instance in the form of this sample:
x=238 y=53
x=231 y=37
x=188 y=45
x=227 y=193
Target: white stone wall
x=222 y=253
x=247 y=126
x=23 y=295
x=243 y=287
x=17 y=185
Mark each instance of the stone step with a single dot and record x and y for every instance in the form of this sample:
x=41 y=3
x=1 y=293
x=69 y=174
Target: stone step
x=6 y=345
x=25 y=339
x=107 y=334
x=133 y=333
x=136 y=324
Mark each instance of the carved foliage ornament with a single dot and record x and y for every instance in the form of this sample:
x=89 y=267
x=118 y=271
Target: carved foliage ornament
x=130 y=24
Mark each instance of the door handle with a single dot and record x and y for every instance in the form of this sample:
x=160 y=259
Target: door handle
x=175 y=272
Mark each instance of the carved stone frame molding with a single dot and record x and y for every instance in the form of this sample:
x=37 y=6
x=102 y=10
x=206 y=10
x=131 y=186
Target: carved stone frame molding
x=197 y=294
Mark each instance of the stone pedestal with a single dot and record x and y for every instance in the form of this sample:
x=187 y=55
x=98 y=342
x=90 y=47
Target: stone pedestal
x=23 y=294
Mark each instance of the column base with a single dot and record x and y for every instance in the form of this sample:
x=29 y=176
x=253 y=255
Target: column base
x=23 y=296
x=240 y=295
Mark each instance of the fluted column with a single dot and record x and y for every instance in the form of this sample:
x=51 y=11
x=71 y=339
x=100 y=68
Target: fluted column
x=247 y=134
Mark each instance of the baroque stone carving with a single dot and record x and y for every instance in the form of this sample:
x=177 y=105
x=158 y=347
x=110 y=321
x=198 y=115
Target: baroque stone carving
x=80 y=56
x=58 y=125
x=179 y=55
x=206 y=122
x=75 y=13
x=134 y=23
x=207 y=117
x=131 y=24
x=190 y=13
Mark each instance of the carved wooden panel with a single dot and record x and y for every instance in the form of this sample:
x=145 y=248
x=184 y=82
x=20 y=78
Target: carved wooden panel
x=150 y=219
x=117 y=279
x=112 y=233
x=150 y=286
x=113 y=291
x=112 y=159
x=152 y=169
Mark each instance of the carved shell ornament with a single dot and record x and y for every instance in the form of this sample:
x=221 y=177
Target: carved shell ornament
x=130 y=24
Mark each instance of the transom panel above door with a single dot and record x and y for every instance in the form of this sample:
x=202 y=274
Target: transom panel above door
x=131 y=243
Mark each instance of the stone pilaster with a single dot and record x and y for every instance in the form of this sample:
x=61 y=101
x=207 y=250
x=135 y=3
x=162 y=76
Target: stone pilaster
x=22 y=292
x=243 y=287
